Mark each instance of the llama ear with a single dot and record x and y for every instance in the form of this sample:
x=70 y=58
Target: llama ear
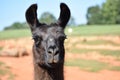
x=64 y=15
x=31 y=16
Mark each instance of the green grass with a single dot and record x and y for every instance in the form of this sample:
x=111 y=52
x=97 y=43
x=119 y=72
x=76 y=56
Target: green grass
x=79 y=51
x=92 y=30
x=91 y=65
x=9 y=34
x=5 y=70
x=98 y=42
x=88 y=65
x=115 y=68
x=11 y=76
x=115 y=53
x=1 y=48
x=95 y=30
x=1 y=63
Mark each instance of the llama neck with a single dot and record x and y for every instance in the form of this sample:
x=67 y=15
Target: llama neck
x=48 y=74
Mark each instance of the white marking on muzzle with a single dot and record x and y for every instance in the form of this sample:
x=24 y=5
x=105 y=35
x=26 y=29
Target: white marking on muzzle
x=51 y=39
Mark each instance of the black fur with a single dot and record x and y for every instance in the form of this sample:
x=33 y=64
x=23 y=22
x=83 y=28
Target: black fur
x=48 y=48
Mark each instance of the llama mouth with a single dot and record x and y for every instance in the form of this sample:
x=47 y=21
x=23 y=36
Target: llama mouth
x=52 y=65
x=48 y=65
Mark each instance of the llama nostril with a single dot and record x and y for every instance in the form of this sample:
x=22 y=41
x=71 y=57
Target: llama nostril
x=57 y=52
x=53 y=51
x=50 y=51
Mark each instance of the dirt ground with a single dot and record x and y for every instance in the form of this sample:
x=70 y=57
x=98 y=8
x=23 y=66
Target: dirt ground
x=22 y=67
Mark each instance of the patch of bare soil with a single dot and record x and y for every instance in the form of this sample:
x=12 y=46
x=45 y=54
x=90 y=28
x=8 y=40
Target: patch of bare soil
x=103 y=47
x=114 y=39
x=94 y=56
x=74 y=73
x=16 y=47
x=22 y=67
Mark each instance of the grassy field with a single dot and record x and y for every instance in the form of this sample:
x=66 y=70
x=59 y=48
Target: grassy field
x=95 y=30
x=87 y=31
x=88 y=65
x=11 y=34
x=91 y=65
x=5 y=70
x=92 y=30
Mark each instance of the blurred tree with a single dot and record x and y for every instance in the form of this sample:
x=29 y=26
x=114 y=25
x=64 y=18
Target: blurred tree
x=71 y=21
x=47 y=18
x=94 y=15
x=111 y=11
x=16 y=25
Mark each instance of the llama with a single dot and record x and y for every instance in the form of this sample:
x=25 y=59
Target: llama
x=48 y=47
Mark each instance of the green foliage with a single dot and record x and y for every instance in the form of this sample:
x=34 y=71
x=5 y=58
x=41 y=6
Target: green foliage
x=71 y=21
x=94 y=15
x=109 y=13
x=17 y=25
x=47 y=18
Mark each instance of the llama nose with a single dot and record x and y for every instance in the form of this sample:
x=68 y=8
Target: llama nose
x=53 y=50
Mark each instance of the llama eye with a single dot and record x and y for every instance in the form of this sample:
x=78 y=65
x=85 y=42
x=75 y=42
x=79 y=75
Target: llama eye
x=37 y=40
x=62 y=38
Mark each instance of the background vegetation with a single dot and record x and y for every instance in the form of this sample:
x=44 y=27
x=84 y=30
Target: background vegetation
x=101 y=21
x=91 y=30
x=108 y=13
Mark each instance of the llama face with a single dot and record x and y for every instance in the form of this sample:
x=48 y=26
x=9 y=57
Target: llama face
x=48 y=46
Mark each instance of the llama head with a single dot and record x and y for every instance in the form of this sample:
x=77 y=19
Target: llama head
x=48 y=39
